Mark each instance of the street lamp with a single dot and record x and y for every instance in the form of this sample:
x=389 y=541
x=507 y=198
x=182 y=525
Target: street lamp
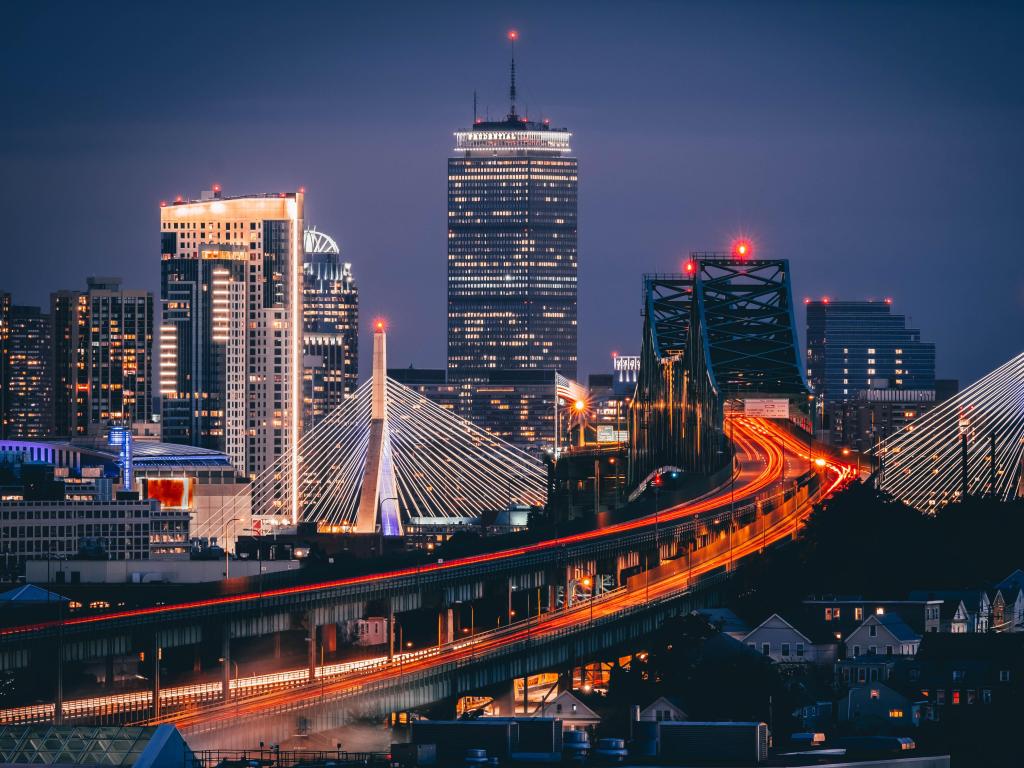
x=589 y=583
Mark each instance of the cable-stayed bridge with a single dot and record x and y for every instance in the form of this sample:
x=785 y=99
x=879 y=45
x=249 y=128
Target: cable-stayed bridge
x=389 y=456
x=970 y=445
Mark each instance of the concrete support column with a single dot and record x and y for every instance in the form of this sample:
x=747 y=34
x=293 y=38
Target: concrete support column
x=197 y=659
x=329 y=637
x=225 y=664
x=277 y=645
x=391 y=630
x=108 y=672
x=504 y=704
x=311 y=644
x=526 y=695
x=155 y=690
x=445 y=626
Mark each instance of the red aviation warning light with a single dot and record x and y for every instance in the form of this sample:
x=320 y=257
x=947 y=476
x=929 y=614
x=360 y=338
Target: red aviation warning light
x=690 y=267
x=742 y=249
x=379 y=325
x=513 y=35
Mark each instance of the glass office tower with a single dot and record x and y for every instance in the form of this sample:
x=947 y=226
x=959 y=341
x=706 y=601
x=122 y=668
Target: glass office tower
x=512 y=255
x=330 y=305
x=860 y=345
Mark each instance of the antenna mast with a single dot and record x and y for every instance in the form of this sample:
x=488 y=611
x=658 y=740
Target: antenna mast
x=512 y=36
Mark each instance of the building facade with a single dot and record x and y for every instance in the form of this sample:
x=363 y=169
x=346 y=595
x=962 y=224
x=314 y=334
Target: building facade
x=860 y=345
x=27 y=379
x=512 y=249
x=330 y=341
x=102 y=345
x=231 y=329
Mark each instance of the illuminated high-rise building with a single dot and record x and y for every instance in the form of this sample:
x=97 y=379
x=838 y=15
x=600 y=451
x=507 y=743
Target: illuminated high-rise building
x=859 y=345
x=330 y=305
x=102 y=357
x=230 y=361
x=512 y=255
x=27 y=383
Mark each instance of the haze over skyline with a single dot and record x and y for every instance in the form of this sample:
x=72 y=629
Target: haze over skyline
x=844 y=137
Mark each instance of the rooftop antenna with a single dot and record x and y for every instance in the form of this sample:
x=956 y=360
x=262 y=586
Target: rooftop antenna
x=512 y=36
x=475 y=113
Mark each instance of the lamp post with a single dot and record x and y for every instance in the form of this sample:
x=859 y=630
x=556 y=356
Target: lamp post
x=591 y=583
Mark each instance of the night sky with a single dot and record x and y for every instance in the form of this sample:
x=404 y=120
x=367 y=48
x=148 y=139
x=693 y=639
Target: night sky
x=878 y=146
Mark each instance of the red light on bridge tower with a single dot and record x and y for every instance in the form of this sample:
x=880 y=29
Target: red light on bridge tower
x=742 y=249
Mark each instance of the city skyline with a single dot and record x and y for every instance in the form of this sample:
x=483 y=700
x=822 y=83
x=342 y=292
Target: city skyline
x=848 y=177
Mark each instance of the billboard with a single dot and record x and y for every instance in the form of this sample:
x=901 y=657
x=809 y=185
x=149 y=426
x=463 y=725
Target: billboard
x=767 y=408
x=171 y=492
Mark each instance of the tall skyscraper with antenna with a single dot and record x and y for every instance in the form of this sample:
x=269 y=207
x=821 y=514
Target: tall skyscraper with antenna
x=512 y=253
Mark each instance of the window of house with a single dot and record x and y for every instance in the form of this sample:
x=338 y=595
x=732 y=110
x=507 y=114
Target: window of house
x=958 y=674
x=873 y=674
x=800 y=649
x=875 y=694
x=1004 y=675
x=972 y=696
x=986 y=696
x=873 y=631
x=880 y=611
x=872 y=650
x=766 y=648
x=956 y=696
x=862 y=675
x=856 y=650
x=895 y=713
x=858 y=614
x=785 y=649
x=940 y=696
x=888 y=650
x=828 y=614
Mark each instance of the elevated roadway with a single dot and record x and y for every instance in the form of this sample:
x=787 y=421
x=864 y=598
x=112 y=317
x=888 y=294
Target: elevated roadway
x=668 y=578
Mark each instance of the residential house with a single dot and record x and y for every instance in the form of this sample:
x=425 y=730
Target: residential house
x=725 y=621
x=574 y=714
x=955 y=673
x=862 y=670
x=1015 y=580
x=976 y=602
x=785 y=644
x=883 y=635
x=879 y=703
x=663 y=709
x=954 y=618
x=1008 y=609
x=839 y=616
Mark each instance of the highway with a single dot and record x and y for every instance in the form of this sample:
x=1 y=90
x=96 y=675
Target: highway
x=763 y=450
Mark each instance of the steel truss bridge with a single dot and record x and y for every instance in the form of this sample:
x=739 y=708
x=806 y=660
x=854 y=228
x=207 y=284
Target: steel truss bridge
x=724 y=329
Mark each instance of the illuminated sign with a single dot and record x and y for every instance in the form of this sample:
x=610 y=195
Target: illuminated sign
x=626 y=363
x=606 y=433
x=171 y=492
x=767 y=408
